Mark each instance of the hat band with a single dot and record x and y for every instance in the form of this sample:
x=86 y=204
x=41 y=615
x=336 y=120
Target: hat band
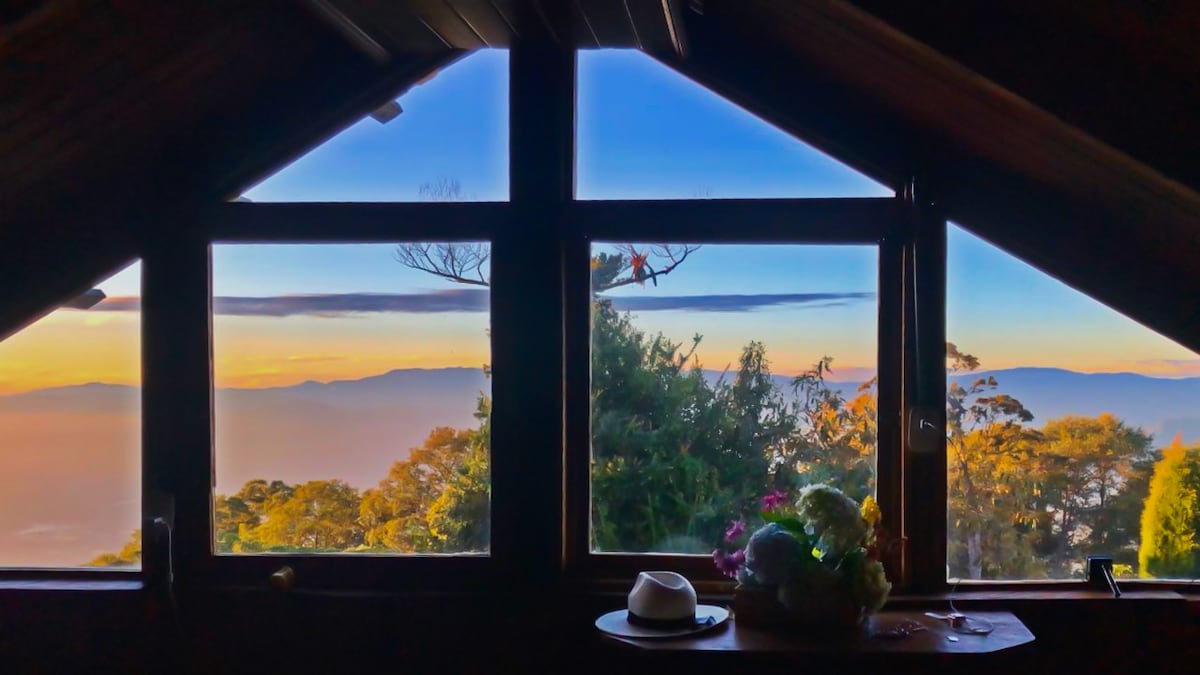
x=662 y=624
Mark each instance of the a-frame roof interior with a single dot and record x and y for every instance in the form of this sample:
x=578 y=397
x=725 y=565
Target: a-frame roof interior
x=1061 y=131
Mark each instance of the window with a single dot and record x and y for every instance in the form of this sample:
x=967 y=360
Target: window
x=1073 y=430
x=70 y=424
x=645 y=131
x=688 y=356
x=351 y=398
x=447 y=141
x=721 y=373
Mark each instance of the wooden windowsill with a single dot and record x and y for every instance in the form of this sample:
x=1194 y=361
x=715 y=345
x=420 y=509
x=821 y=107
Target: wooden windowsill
x=69 y=585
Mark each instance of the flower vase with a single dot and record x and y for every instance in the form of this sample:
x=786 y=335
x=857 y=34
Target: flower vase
x=759 y=607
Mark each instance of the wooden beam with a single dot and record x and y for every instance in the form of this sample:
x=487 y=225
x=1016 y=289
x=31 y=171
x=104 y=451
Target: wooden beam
x=609 y=22
x=737 y=220
x=975 y=114
x=1058 y=199
x=676 y=26
x=527 y=282
x=440 y=221
x=485 y=20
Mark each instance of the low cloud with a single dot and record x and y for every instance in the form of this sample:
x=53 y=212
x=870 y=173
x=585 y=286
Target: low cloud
x=331 y=304
x=477 y=300
x=315 y=358
x=120 y=303
x=48 y=531
x=736 y=303
x=1172 y=367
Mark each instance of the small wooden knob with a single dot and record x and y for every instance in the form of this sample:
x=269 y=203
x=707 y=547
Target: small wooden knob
x=283 y=579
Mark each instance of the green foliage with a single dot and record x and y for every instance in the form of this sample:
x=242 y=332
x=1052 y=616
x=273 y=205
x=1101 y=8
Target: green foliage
x=673 y=454
x=319 y=514
x=790 y=523
x=1028 y=503
x=130 y=554
x=1171 y=519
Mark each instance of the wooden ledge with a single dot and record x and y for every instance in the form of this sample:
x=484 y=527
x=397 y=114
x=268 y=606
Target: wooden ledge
x=936 y=638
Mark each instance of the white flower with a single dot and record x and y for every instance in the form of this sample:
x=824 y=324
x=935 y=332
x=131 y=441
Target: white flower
x=773 y=554
x=832 y=519
x=871 y=586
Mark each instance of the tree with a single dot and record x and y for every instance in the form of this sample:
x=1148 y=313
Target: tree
x=833 y=441
x=1087 y=464
x=453 y=515
x=460 y=518
x=237 y=515
x=130 y=554
x=318 y=515
x=989 y=451
x=1170 y=541
x=654 y=431
x=422 y=504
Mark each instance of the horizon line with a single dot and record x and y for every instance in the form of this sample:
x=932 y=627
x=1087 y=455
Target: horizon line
x=709 y=370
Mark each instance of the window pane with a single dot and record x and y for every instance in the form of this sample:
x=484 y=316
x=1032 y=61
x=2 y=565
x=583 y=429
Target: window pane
x=447 y=142
x=352 y=400
x=1074 y=431
x=70 y=424
x=647 y=132
x=721 y=373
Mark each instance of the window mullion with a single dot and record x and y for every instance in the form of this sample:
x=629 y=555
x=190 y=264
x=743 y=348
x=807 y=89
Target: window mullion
x=924 y=503
x=889 y=466
x=176 y=364
x=527 y=326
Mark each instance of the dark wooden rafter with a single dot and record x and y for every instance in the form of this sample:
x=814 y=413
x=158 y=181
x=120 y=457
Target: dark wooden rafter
x=676 y=23
x=1122 y=71
x=96 y=179
x=486 y=20
x=609 y=21
x=1048 y=193
x=298 y=118
x=399 y=28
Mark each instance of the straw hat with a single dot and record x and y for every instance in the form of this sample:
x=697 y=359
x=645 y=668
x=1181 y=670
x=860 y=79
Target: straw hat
x=662 y=605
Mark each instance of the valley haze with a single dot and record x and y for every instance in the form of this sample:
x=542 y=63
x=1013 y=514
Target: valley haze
x=86 y=438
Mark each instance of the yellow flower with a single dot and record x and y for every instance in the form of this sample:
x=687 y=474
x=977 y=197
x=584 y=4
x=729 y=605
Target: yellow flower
x=870 y=511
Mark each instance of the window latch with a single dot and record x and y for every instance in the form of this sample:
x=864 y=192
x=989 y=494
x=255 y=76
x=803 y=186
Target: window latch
x=925 y=429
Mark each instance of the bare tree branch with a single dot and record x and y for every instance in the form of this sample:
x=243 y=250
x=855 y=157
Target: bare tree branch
x=464 y=263
x=460 y=263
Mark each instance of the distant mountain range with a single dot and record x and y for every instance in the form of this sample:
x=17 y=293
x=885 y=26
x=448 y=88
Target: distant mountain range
x=1160 y=406
x=355 y=429
x=83 y=439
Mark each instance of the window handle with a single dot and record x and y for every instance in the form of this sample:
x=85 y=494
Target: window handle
x=926 y=430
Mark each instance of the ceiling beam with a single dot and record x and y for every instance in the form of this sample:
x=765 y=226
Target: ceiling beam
x=1065 y=202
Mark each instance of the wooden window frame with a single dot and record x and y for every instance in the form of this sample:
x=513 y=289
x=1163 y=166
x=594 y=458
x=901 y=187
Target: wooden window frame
x=880 y=222
x=540 y=299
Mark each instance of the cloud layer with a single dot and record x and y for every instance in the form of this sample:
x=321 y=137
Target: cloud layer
x=735 y=303
x=476 y=300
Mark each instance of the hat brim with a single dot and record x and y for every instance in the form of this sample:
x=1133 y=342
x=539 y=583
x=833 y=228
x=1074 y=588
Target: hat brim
x=617 y=623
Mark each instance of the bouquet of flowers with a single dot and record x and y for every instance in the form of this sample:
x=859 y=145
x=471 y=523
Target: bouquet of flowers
x=817 y=557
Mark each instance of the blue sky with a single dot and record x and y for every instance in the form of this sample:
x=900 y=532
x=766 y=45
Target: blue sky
x=644 y=131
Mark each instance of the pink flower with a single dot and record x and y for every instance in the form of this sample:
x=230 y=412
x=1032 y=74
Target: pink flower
x=729 y=563
x=736 y=529
x=774 y=500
